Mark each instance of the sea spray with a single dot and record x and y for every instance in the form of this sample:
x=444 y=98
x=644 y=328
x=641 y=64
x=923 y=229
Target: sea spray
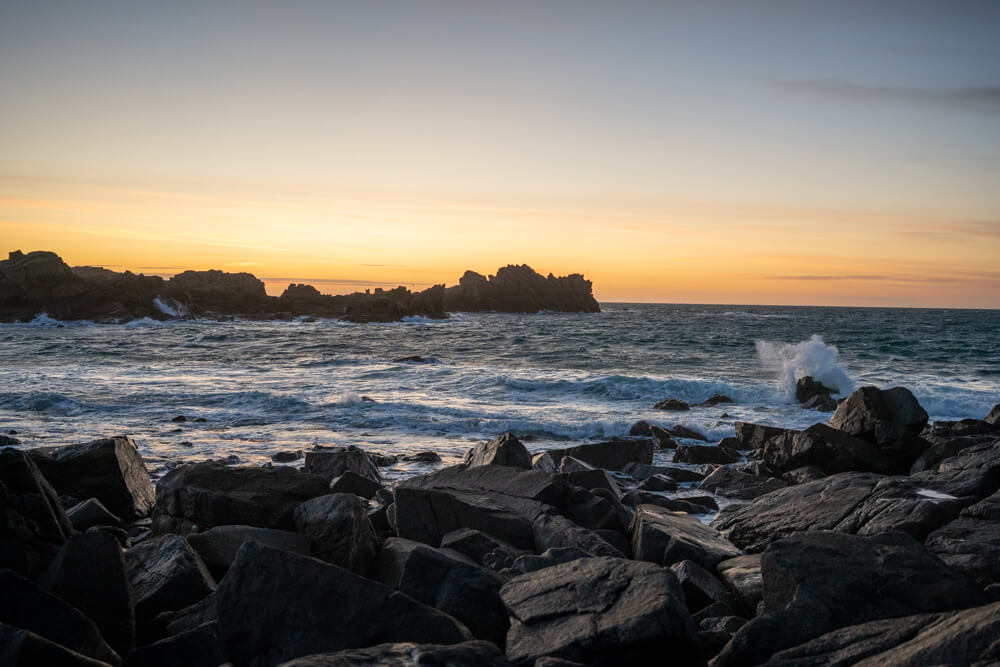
x=810 y=357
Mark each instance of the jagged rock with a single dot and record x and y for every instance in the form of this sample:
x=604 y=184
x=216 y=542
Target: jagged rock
x=303 y=606
x=286 y=457
x=352 y=482
x=679 y=431
x=89 y=573
x=994 y=416
x=505 y=450
x=641 y=471
x=971 y=543
x=830 y=450
x=742 y=575
x=613 y=455
x=943 y=448
x=664 y=537
x=110 y=470
x=198 y=647
x=519 y=289
x=821 y=404
x=818 y=582
x=23 y=648
x=340 y=530
x=803 y=475
x=217 y=546
x=657 y=483
x=966 y=637
x=89 y=513
x=601 y=611
x=476 y=544
x=891 y=419
x=662 y=438
x=553 y=531
x=753 y=436
x=673 y=404
x=446 y=581
x=568 y=464
x=715 y=399
x=165 y=575
x=23 y=605
x=705 y=454
x=735 y=484
x=985 y=457
x=33 y=524
x=641 y=428
x=422 y=457
x=209 y=494
x=700 y=587
x=807 y=388
x=466 y=654
x=331 y=463
x=593 y=479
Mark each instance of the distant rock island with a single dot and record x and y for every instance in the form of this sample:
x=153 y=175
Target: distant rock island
x=41 y=282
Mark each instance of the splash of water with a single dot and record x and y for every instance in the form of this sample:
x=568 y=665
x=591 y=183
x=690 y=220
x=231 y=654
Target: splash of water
x=810 y=357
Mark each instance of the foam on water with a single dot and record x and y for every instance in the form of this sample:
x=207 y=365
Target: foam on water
x=811 y=357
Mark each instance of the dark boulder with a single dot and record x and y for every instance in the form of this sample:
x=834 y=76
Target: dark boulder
x=818 y=582
x=830 y=450
x=807 y=388
x=189 y=618
x=742 y=576
x=705 y=454
x=520 y=289
x=600 y=611
x=701 y=588
x=447 y=581
x=477 y=545
x=662 y=438
x=971 y=543
x=89 y=513
x=994 y=416
x=548 y=558
x=217 y=546
x=210 y=494
x=753 y=436
x=657 y=483
x=679 y=431
x=665 y=537
x=352 y=482
x=339 y=529
x=274 y=605
x=735 y=484
x=715 y=399
x=505 y=450
x=334 y=462
x=891 y=419
x=612 y=455
x=641 y=429
x=553 y=531
x=165 y=575
x=466 y=654
x=286 y=456
x=641 y=471
x=110 y=470
x=420 y=457
x=637 y=497
x=673 y=404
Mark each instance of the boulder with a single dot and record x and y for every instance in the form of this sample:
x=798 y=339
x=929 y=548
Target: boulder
x=352 y=482
x=994 y=416
x=189 y=618
x=548 y=558
x=637 y=497
x=821 y=404
x=817 y=582
x=613 y=455
x=679 y=431
x=641 y=428
x=701 y=588
x=984 y=456
x=165 y=575
x=89 y=573
x=23 y=648
x=27 y=607
x=641 y=471
x=197 y=647
x=600 y=611
x=409 y=655
x=735 y=484
x=674 y=404
x=110 y=470
x=505 y=450
x=447 y=581
x=210 y=494
x=476 y=545
x=705 y=454
x=891 y=419
x=339 y=529
x=89 y=513
x=942 y=448
x=753 y=436
x=807 y=388
x=334 y=462
x=966 y=637
x=657 y=483
x=665 y=537
x=742 y=575
x=593 y=479
x=552 y=530
x=662 y=438
x=217 y=546
x=274 y=605
x=715 y=399
x=971 y=543
x=830 y=450
x=33 y=524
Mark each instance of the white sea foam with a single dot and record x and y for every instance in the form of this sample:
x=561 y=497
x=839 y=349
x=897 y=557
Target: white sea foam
x=169 y=307
x=810 y=357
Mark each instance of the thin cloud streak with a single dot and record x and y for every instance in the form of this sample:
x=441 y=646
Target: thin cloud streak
x=863 y=277
x=970 y=98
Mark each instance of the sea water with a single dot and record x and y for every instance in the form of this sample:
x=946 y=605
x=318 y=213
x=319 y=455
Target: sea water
x=554 y=379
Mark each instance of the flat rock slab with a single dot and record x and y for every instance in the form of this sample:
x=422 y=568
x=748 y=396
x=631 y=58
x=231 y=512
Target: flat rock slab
x=209 y=494
x=110 y=470
x=599 y=611
x=665 y=537
x=274 y=606
x=466 y=654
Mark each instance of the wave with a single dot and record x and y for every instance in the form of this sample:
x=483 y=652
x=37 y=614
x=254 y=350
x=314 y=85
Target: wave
x=42 y=401
x=810 y=357
x=756 y=316
x=169 y=307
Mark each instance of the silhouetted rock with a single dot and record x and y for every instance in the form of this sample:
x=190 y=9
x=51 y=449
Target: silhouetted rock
x=218 y=546
x=807 y=389
x=340 y=530
x=674 y=404
x=715 y=399
x=705 y=454
x=519 y=289
x=505 y=450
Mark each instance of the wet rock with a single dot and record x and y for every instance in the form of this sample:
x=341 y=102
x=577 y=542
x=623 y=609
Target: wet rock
x=830 y=450
x=554 y=531
x=476 y=545
x=25 y=606
x=994 y=416
x=274 y=605
x=352 y=482
x=23 y=648
x=943 y=448
x=971 y=543
x=807 y=388
x=165 y=575
x=966 y=637
x=110 y=470
x=217 y=547
x=422 y=457
x=409 y=655
x=664 y=537
x=33 y=524
x=657 y=483
x=803 y=475
x=613 y=455
x=817 y=582
x=505 y=450
x=674 y=404
x=198 y=647
x=679 y=431
x=446 y=581
x=742 y=576
x=339 y=528
x=641 y=471
x=334 y=462
x=413 y=358
x=753 y=436
x=700 y=587
x=209 y=494
x=286 y=457
x=6 y=440
x=592 y=479
x=715 y=399
x=180 y=419
x=891 y=419
x=640 y=428
x=600 y=611
x=705 y=454
x=735 y=484
x=637 y=497
x=985 y=457
x=662 y=438
x=89 y=513
x=89 y=573
x=821 y=404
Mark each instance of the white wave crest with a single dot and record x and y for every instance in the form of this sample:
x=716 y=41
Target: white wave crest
x=810 y=357
x=169 y=307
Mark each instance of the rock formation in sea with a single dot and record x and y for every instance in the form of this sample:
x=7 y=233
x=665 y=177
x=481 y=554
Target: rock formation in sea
x=41 y=282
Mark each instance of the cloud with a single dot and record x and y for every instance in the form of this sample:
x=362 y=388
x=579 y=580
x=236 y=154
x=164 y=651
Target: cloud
x=970 y=98
x=863 y=276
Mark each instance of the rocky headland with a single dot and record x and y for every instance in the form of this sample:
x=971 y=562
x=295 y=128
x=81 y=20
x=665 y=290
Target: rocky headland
x=41 y=282
x=873 y=539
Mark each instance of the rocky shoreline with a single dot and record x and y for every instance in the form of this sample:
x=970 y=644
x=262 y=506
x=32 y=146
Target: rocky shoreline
x=874 y=539
x=40 y=283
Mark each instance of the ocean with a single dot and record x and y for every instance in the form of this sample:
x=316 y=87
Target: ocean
x=554 y=379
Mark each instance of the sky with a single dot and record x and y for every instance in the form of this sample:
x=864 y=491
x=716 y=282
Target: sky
x=751 y=152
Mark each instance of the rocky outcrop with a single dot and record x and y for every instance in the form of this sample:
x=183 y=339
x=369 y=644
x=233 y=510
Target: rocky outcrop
x=505 y=450
x=519 y=289
x=892 y=419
